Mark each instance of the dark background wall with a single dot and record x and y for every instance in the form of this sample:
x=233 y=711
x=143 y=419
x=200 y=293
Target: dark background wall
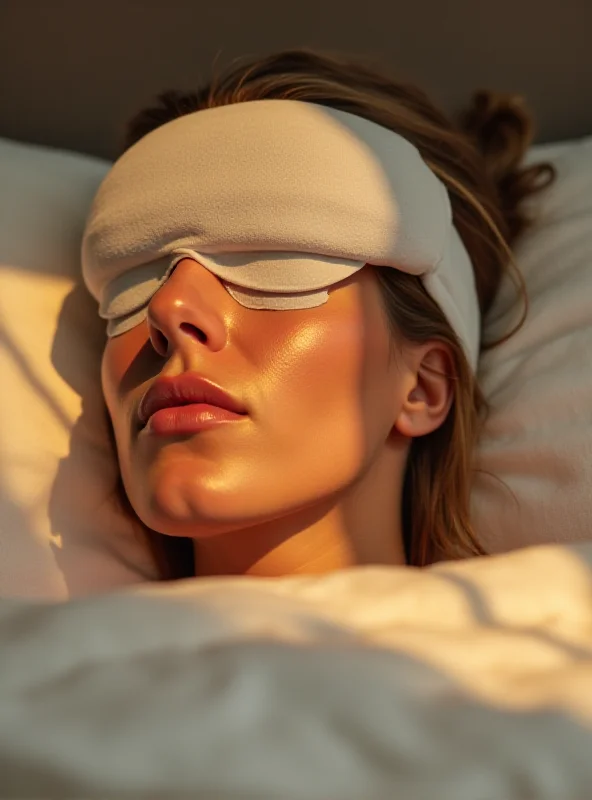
x=72 y=71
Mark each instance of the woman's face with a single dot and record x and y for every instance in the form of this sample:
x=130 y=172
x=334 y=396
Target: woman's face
x=320 y=386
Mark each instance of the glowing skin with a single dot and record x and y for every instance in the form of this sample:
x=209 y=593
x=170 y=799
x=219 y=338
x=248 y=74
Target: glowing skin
x=310 y=481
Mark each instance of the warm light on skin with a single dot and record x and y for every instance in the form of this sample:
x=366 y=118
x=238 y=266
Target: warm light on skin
x=311 y=480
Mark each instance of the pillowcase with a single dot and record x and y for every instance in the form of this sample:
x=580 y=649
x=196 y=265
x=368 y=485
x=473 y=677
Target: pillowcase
x=61 y=532
x=538 y=439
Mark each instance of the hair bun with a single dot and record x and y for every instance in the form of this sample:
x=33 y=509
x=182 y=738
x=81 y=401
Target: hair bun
x=502 y=129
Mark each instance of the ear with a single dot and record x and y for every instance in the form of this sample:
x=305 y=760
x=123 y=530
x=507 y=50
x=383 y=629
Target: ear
x=428 y=389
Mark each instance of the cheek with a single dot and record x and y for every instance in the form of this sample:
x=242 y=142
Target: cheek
x=315 y=362
x=109 y=373
x=325 y=381
x=119 y=355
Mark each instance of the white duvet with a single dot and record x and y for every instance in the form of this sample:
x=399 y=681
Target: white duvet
x=465 y=681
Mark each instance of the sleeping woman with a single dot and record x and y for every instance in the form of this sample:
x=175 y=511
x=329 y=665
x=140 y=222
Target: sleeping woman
x=294 y=263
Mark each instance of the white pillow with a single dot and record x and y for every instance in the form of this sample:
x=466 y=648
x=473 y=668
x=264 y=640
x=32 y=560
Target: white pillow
x=60 y=531
x=539 y=436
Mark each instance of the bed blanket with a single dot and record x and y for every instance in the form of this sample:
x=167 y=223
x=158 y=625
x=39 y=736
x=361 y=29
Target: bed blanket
x=464 y=681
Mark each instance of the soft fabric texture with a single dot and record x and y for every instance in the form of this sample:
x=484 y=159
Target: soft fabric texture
x=539 y=383
x=465 y=681
x=60 y=532
x=277 y=198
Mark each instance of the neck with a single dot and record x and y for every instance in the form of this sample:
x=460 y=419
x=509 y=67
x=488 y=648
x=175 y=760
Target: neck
x=280 y=547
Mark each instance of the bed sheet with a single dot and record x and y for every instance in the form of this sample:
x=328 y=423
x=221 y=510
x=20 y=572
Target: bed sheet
x=464 y=681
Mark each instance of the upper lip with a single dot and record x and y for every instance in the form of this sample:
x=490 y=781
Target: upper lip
x=189 y=387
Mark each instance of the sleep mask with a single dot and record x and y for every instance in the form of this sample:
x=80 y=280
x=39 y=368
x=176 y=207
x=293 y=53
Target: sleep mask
x=280 y=199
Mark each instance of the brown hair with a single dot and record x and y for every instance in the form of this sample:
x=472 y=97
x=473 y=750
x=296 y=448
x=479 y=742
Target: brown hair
x=479 y=160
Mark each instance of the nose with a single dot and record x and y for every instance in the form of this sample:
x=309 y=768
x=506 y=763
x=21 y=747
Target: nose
x=187 y=309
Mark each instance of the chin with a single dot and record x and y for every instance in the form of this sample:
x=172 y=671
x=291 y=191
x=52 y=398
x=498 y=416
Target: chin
x=182 y=499
x=175 y=509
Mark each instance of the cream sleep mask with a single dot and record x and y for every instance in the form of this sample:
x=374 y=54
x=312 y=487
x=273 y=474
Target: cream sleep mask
x=280 y=199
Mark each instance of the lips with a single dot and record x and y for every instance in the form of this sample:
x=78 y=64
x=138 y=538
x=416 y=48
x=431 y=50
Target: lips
x=186 y=389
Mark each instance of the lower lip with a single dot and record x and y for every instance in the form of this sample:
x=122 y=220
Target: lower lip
x=188 y=419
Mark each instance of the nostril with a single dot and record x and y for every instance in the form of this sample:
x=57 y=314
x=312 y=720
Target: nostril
x=162 y=344
x=186 y=327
